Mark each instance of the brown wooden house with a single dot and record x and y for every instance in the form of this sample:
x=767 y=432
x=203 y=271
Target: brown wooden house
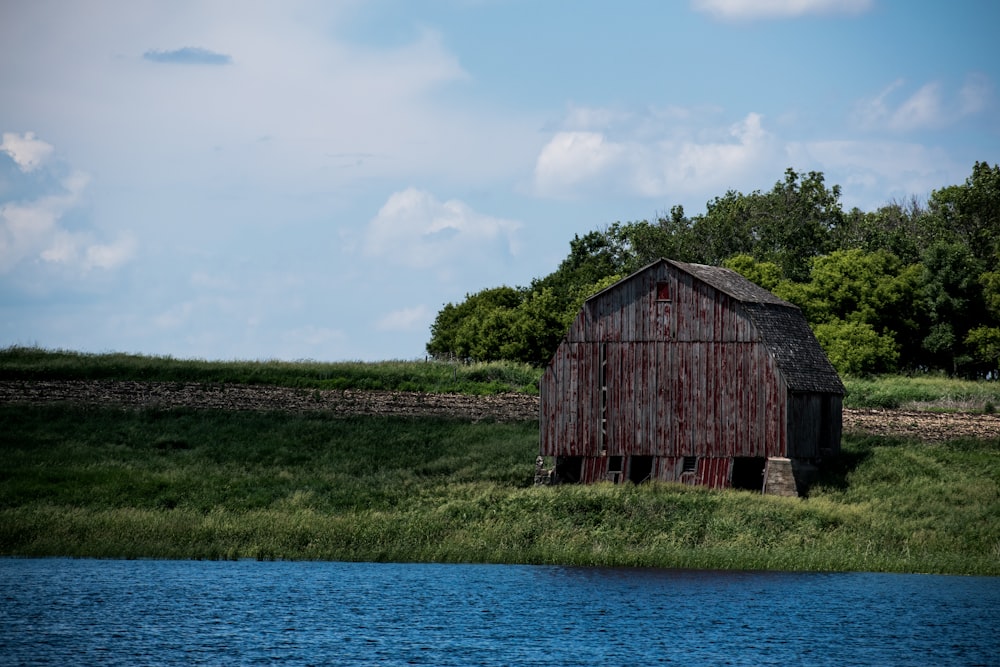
x=691 y=373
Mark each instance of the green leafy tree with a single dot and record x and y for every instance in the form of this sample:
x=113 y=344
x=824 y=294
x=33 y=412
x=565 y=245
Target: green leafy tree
x=537 y=326
x=640 y=243
x=459 y=330
x=983 y=343
x=952 y=299
x=765 y=274
x=904 y=286
x=592 y=257
x=800 y=215
x=969 y=214
x=903 y=229
x=726 y=229
x=788 y=226
x=990 y=281
x=871 y=287
x=855 y=348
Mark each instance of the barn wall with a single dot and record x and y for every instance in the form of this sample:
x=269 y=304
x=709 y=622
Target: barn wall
x=570 y=402
x=685 y=377
x=692 y=399
x=814 y=425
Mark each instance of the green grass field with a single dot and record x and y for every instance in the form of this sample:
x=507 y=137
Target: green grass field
x=183 y=483
x=28 y=363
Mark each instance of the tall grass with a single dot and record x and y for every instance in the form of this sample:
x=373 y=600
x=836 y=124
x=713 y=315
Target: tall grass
x=922 y=392
x=212 y=484
x=29 y=363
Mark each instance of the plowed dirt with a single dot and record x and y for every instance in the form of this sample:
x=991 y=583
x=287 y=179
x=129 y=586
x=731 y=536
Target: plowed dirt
x=930 y=426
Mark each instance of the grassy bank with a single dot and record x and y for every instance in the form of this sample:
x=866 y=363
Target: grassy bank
x=29 y=363
x=923 y=392
x=208 y=484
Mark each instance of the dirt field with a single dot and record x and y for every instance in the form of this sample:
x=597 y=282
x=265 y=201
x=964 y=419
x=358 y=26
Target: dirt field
x=931 y=426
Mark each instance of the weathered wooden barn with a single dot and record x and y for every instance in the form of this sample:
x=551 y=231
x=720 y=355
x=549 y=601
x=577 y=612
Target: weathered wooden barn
x=690 y=373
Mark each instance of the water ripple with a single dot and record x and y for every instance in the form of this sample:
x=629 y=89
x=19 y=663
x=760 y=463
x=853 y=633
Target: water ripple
x=87 y=612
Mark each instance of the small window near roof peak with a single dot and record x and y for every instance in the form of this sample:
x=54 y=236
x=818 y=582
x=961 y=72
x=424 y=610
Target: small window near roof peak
x=663 y=291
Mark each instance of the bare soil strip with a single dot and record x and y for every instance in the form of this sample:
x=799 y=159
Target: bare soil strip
x=930 y=426
x=504 y=407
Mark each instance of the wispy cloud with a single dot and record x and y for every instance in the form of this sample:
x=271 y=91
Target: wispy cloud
x=975 y=94
x=26 y=150
x=931 y=106
x=412 y=318
x=189 y=55
x=652 y=159
x=33 y=229
x=689 y=157
x=778 y=9
x=416 y=230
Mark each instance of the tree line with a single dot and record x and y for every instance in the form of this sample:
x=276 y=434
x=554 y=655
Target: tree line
x=913 y=286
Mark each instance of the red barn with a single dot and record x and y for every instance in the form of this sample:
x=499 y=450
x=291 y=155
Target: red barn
x=692 y=373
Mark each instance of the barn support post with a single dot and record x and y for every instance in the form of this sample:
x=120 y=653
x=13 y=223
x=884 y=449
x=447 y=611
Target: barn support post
x=788 y=477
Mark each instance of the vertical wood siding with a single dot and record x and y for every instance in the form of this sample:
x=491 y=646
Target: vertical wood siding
x=686 y=377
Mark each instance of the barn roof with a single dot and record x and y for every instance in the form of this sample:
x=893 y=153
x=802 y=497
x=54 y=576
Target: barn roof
x=782 y=327
x=790 y=340
x=729 y=282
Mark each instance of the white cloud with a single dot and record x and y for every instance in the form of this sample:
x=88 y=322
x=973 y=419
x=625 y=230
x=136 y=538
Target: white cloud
x=574 y=159
x=335 y=112
x=415 y=230
x=109 y=256
x=653 y=160
x=29 y=230
x=690 y=159
x=874 y=112
x=777 y=9
x=406 y=319
x=594 y=118
x=26 y=150
x=929 y=107
x=33 y=229
x=921 y=110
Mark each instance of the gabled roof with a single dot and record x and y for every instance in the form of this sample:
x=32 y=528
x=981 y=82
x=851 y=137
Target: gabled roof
x=729 y=282
x=782 y=327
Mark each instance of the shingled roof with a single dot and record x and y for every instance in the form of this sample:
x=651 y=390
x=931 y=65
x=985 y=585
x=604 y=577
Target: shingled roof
x=729 y=282
x=792 y=343
x=782 y=327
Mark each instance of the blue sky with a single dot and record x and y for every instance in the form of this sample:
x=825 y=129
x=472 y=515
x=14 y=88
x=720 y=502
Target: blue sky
x=315 y=180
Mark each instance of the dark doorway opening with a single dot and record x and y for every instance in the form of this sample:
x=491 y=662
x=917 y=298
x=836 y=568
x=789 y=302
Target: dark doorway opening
x=615 y=468
x=640 y=468
x=569 y=469
x=748 y=473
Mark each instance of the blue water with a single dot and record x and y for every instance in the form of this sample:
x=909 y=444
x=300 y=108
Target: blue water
x=89 y=612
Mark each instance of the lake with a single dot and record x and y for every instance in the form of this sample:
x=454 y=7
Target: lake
x=144 y=612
